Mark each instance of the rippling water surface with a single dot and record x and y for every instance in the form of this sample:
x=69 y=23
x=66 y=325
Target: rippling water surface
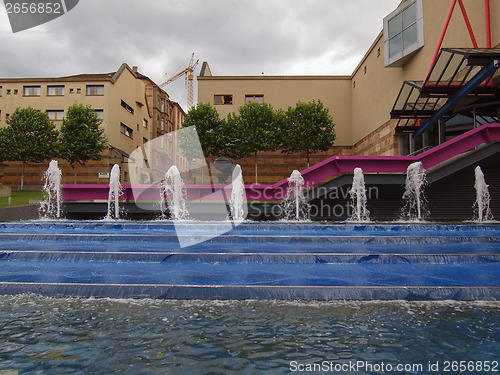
x=40 y=335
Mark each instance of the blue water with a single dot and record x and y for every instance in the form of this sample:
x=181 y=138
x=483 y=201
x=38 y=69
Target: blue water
x=41 y=335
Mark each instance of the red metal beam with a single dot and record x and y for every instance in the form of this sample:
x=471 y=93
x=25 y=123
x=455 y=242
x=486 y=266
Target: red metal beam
x=467 y=23
x=441 y=37
x=488 y=23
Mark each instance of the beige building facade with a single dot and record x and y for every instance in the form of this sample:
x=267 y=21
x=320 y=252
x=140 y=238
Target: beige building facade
x=132 y=107
x=361 y=103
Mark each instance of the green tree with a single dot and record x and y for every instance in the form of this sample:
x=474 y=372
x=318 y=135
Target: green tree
x=29 y=137
x=254 y=130
x=82 y=138
x=308 y=128
x=210 y=130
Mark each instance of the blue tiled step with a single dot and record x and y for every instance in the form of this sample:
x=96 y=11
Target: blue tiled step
x=253 y=260
x=157 y=257
x=253 y=274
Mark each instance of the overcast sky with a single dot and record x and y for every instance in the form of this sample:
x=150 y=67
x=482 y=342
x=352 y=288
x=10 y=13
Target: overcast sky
x=236 y=37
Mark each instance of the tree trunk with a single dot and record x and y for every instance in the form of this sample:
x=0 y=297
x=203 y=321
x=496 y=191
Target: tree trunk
x=75 y=173
x=256 y=179
x=307 y=153
x=22 y=176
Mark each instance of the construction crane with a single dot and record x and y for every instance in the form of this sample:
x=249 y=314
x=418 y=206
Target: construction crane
x=188 y=73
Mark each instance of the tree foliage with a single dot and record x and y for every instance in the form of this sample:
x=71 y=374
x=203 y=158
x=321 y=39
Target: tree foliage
x=309 y=128
x=254 y=129
x=210 y=130
x=29 y=137
x=82 y=139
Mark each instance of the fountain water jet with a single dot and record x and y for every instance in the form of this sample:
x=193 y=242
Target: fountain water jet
x=115 y=190
x=295 y=205
x=51 y=205
x=237 y=195
x=172 y=189
x=482 y=204
x=413 y=195
x=358 y=197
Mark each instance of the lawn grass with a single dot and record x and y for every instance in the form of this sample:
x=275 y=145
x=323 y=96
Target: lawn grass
x=21 y=197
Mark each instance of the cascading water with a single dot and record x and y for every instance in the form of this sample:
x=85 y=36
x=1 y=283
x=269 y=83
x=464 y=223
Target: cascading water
x=358 y=197
x=295 y=205
x=50 y=207
x=237 y=195
x=413 y=195
x=115 y=190
x=482 y=205
x=172 y=189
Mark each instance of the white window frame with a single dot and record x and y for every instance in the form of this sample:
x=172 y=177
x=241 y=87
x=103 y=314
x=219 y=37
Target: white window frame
x=400 y=58
x=55 y=114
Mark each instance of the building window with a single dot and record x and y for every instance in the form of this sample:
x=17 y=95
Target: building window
x=124 y=129
x=145 y=123
x=162 y=124
x=223 y=99
x=403 y=32
x=99 y=113
x=144 y=140
x=55 y=115
x=55 y=90
x=0 y=90
x=95 y=90
x=31 y=90
x=127 y=107
x=254 y=99
x=163 y=106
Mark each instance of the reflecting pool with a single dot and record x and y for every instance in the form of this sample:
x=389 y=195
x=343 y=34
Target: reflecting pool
x=146 y=336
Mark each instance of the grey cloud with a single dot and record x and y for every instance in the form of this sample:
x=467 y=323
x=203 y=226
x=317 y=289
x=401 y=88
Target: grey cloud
x=236 y=37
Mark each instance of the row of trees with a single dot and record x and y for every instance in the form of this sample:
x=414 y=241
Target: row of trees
x=306 y=128
x=31 y=137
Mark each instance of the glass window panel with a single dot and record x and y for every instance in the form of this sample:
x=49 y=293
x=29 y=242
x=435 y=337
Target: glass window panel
x=55 y=115
x=395 y=45
x=228 y=99
x=409 y=16
x=218 y=99
x=395 y=25
x=55 y=90
x=95 y=90
x=99 y=113
x=0 y=90
x=410 y=36
x=259 y=99
x=248 y=99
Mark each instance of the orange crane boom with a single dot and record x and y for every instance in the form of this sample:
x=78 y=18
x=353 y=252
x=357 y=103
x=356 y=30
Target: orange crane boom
x=188 y=73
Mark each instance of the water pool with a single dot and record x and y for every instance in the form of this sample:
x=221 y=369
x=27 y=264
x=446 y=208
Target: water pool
x=128 y=336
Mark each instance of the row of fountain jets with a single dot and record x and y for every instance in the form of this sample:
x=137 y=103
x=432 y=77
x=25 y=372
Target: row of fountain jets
x=294 y=206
